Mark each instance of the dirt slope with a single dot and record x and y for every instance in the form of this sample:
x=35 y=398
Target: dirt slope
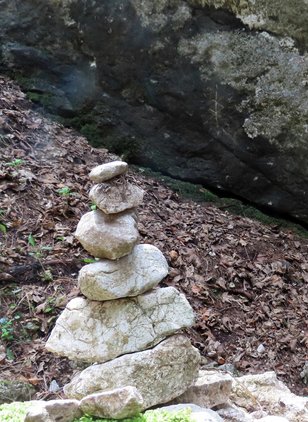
x=246 y=281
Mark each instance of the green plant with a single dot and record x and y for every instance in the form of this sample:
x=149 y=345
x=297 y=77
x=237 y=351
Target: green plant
x=6 y=329
x=89 y=260
x=47 y=276
x=3 y=228
x=157 y=415
x=31 y=240
x=65 y=191
x=14 y=412
x=15 y=163
x=93 y=207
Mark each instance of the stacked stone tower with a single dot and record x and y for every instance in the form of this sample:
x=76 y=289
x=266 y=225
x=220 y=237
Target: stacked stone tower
x=125 y=327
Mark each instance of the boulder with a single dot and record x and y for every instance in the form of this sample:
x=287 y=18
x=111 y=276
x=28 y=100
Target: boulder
x=54 y=411
x=271 y=394
x=231 y=413
x=99 y=331
x=11 y=391
x=108 y=171
x=159 y=374
x=212 y=388
x=116 y=196
x=105 y=236
x=119 y=403
x=131 y=275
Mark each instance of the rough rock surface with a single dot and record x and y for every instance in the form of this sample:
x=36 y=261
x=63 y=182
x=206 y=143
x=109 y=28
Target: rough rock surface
x=108 y=171
x=160 y=374
x=105 y=236
x=54 y=411
x=131 y=275
x=211 y=389
x=116 y=196
x=15 y=391
x=99 y=331
x=198 y=413
x=119 y=403
x=185 y=86
x=271 y=394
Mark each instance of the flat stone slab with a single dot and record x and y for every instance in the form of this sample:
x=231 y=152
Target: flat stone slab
x=54 y=411
x=105 y=236
x=159 y=374
x=119 y=403
x=116 y=196
x=198 y=414
x=108 y=171
x=94 y=331
x=131 y=275
x=211 y=388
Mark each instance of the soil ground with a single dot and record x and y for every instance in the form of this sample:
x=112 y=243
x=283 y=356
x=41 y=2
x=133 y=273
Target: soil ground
x=246 y=281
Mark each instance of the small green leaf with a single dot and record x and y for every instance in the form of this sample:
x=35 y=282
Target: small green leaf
x=93 y=207
x=89 y=260
x=3 y=228
x=9 y=354
x=65 y=191
x=31 y=240
x=15 y=163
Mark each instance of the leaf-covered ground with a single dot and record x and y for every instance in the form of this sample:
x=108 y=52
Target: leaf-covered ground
x=246 y=281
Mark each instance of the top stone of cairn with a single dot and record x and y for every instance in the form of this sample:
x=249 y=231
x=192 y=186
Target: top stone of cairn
x=108 y=171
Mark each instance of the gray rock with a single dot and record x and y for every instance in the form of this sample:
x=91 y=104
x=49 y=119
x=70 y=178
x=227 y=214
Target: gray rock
x=211 y=388
x=199 y=414
x=15 y=391
x=93 y=331
x=119 y=403
x=105 y=236
x=116 y=196
x=131 y=275
x=231 y=413
x=160 y=374
x=275 y=397
x=108 y=171
x=54 y=411
x=273 y=419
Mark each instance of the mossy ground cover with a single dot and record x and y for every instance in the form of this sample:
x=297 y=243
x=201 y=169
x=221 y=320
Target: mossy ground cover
x=14 y=412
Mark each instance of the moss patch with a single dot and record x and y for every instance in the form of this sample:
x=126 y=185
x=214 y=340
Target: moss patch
x=183 y=415
x=14 y=412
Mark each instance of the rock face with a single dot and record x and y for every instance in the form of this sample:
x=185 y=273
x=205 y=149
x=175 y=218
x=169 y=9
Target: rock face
x=270 y=393
x=115 y=404
x=99 y=331
x=11 y=391
x=106 y=236
x=114 y=197
x=159 y=374
x=132 y=275
x=188 y=87
x=210 y=389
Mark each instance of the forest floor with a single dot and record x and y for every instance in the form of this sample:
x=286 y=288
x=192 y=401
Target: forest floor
x=246 y=281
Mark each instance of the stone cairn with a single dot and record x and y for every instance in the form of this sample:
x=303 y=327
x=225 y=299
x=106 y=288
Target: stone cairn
x=125 y=327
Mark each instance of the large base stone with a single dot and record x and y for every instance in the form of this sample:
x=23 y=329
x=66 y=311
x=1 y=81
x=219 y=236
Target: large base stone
x=159 y=374
x=99 y=331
